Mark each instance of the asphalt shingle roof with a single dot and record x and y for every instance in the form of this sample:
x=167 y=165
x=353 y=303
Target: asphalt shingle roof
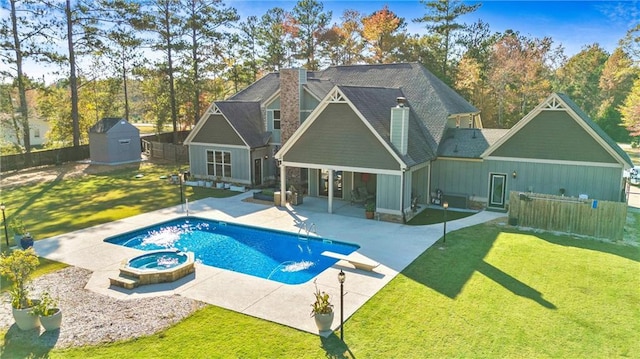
x=105 y=124
x=468 y=142
x=430 y=99
x=246 y=118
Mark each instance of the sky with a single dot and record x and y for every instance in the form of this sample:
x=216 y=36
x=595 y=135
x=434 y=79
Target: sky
x=572 y=24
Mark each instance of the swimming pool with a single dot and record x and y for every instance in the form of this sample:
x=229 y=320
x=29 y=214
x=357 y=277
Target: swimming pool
x=275 y=255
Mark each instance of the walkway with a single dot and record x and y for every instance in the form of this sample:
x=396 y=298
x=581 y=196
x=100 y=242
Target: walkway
x=394 y=246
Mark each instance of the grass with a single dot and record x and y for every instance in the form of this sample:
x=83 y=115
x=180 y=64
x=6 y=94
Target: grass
x=61 y=206
x=493 y=292
x=432 y=216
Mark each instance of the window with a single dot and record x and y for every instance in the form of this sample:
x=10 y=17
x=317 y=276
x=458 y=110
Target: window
x=36 y=132
x=219 y=163
x=276 y=119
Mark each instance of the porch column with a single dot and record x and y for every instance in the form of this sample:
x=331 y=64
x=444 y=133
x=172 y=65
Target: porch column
x=283 y=185
x=330 y=202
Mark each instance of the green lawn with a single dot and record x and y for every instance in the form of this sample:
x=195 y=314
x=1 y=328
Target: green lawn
x=492 y=293
x=61 y=206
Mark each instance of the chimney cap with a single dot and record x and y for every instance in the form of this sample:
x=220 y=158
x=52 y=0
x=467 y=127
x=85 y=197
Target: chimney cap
x=401 y=101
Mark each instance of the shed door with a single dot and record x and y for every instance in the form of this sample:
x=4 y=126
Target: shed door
x=497 y=189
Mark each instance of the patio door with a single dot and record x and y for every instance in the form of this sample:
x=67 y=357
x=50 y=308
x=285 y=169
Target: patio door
x=497 y=190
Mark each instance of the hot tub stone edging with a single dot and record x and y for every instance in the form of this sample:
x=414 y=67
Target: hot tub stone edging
x=131 y=278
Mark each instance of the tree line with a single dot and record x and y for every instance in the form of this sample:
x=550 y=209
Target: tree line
x=165 y=61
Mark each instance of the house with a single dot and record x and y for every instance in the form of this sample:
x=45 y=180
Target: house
x=396 y=135
x=38 y=128
x=114 y=141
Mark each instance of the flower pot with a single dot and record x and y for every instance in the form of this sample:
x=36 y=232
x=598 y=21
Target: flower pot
x=323 y=321
x=51 y=322
x=26 y=242
x=25 y=319
x=369 y=215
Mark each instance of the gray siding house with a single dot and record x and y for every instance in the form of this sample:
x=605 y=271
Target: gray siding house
x=114 y=141
x=396 y=135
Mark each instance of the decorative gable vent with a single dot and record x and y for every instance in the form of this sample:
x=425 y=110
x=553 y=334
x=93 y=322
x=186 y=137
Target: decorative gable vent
x=215 y=110
x=336 y=96
x=553 y=104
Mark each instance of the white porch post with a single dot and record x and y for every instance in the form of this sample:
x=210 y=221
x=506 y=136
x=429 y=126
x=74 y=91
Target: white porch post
x=330 y=202
x=283 y=185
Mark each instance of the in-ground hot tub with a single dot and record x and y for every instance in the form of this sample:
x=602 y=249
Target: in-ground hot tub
x=154 y=267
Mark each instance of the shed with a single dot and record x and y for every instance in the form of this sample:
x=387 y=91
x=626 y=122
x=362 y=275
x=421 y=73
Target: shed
x=114 y=141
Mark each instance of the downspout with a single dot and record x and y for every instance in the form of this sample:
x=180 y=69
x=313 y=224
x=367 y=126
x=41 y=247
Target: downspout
x=404 y=218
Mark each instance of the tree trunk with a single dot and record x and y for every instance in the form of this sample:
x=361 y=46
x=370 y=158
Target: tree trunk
x=73 y=81
x=22 y=91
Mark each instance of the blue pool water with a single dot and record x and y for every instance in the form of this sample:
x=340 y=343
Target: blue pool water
x=275 y=255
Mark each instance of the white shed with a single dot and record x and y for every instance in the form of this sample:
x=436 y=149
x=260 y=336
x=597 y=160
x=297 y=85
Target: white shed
x=113 y=141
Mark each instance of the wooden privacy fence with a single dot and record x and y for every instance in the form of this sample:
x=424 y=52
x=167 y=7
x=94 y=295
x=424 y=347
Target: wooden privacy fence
x=41 y=158
x=590 y=217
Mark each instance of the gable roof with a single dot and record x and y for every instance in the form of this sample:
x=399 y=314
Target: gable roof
x=432 y=101
x=372 y=106
x=375 y=103
x=105 y=124
x=245 y=118
x=558 y=101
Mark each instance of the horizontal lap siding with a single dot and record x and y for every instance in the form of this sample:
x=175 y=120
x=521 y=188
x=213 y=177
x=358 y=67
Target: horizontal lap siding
x=554 y=135
x=217 y=130
x=339 y=138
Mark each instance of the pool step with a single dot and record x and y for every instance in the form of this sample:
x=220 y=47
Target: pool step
x=124 y=281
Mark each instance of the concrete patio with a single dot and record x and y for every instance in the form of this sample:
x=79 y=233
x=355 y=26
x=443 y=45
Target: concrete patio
x=394 y=246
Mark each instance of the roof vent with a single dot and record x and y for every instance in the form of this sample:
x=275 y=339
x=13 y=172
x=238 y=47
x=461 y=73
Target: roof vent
x=474 y=134
x=401 y=101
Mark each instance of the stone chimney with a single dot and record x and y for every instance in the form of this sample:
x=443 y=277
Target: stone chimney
x=400 y=125
x=291 y=82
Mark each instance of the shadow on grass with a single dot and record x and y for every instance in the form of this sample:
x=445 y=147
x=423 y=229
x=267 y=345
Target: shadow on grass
x=621 y=250
x=446 y=268
x=336 y=348
x=28 y=343
x=512 y=284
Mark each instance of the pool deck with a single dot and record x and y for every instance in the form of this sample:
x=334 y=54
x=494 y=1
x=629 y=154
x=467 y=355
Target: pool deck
x=392 y=245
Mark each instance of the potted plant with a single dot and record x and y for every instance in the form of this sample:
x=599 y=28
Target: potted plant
x=18 y=229
x=48 y=312
x=322 y=310
x=369 y=209
x=17 y=267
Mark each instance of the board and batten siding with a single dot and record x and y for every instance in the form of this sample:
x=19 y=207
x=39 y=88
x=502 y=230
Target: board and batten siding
x=240 y=162
x=275 y=134
x=459 y=176
x=388 y=194
x=217 y=129
x=598 y=182
x=471 y=178
x=420 y=184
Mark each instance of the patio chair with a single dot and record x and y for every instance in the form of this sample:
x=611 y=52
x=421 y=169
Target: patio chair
x=357 y=198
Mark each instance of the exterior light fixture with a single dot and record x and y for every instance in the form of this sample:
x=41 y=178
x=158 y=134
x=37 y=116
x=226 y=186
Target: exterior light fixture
x=445 y=205
x=4 y=222
x=341 y=278
x=514 y=174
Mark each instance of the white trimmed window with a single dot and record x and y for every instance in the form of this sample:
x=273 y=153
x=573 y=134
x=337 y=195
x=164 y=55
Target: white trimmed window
x=219 y=163
x=276 y=119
